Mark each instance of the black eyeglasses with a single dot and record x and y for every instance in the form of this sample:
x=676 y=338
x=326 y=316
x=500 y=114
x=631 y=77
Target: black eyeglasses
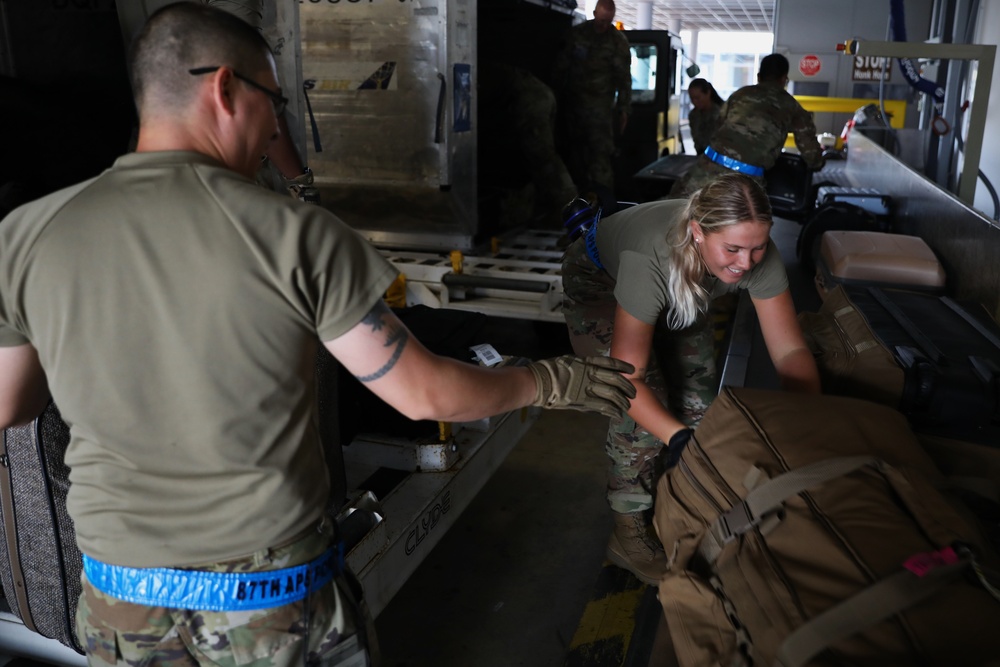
x=277 y=99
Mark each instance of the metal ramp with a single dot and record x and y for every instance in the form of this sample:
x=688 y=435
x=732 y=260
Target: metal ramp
x=417 y=490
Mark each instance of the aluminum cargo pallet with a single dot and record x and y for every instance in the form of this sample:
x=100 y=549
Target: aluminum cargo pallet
x=520 y=277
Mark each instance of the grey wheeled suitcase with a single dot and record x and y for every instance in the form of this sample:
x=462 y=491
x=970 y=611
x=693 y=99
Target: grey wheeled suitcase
x=39 y=559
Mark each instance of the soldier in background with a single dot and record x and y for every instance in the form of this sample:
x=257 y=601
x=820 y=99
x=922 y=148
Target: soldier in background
x=755 y=122
x=593 y=84
x=706 y=113
x=517 y=113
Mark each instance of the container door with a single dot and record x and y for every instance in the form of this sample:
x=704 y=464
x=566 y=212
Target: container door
x=390 y=85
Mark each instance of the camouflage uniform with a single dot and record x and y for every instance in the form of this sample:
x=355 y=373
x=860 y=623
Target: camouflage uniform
x=534 y=123
x=115 y=632
x=681 y=372
x=702 y=124
x=756 y=121
x=521 y=124
x=590 y=70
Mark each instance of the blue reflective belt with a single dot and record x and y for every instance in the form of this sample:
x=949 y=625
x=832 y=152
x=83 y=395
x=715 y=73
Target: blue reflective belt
x=731 y=163
x=590 y=242
x=214 y=591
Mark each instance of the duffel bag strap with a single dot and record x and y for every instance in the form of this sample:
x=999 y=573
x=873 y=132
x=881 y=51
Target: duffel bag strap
x=922 y=576
x=770 y=496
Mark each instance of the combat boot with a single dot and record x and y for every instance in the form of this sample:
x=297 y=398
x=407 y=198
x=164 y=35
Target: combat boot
x=633 y=548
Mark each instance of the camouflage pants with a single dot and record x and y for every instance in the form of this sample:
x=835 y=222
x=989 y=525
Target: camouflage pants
x=681 y=372
x=320 y=630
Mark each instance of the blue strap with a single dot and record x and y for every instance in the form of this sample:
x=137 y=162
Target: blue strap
x=214 y=591
x=590 y=242
x=732 y=163
x=581 y=221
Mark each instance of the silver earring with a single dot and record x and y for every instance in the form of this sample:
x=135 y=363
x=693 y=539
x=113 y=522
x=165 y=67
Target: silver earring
x=697 y=240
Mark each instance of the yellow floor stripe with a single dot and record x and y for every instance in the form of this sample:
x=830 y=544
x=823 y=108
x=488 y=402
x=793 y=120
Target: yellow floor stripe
x=608 y=621
x=612 y=616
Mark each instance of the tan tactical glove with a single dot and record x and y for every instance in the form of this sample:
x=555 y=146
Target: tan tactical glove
x=583 y=383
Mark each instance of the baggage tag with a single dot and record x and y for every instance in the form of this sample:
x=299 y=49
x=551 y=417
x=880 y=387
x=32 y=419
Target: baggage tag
x=922 y=564
x=486 y=354
x=925 y=563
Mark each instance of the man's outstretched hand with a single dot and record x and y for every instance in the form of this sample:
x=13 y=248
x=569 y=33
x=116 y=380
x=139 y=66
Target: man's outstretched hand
x=583 y=383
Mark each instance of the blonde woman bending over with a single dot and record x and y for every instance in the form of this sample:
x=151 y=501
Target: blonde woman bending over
x=638 y=286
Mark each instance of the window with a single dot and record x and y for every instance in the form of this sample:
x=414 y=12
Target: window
x=742 y=70
x=729 y=60
x=643 y=73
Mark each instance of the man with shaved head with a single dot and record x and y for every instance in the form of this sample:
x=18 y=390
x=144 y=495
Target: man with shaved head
x=174 y=310
x=287 y=167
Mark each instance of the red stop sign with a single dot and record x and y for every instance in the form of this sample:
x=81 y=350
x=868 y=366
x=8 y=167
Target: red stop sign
x=809 y=65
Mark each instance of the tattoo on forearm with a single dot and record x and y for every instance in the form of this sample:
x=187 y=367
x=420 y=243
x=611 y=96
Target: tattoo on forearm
x=395 y=337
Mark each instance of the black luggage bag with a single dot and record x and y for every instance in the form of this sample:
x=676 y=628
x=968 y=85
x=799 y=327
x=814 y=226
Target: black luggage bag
x=789 y=186
x=948 y=351
x=40 y=561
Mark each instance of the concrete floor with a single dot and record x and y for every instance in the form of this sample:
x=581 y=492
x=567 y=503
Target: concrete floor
x=508 y=584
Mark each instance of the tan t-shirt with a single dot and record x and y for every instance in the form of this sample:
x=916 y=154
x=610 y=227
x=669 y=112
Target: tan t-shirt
x=177 y=308
x=633 y=249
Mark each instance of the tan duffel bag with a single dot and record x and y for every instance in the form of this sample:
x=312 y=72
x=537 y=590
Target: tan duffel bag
x=810 y=530
x=851 y=359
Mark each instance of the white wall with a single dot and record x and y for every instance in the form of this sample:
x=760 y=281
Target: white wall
x=988 y=32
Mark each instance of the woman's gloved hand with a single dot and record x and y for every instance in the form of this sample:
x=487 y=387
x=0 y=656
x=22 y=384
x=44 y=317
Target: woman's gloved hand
x=678 y=441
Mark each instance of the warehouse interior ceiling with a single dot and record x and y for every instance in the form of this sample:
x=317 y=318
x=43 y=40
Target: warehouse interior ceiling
x=701 y=15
